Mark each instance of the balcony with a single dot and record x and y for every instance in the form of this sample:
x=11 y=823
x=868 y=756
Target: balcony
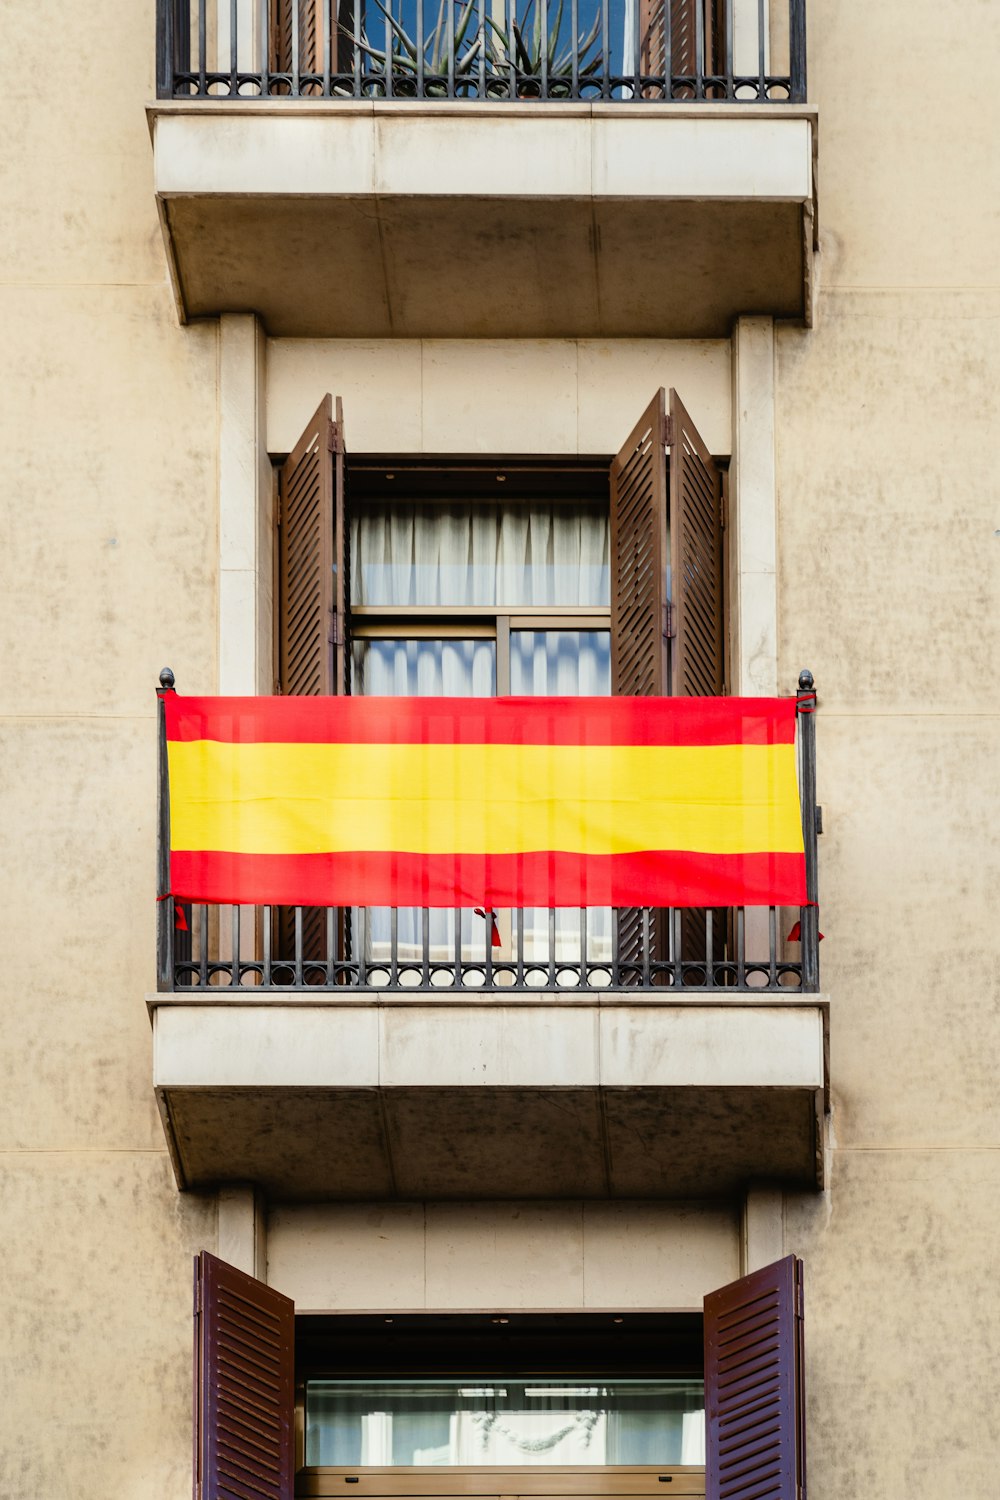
x=535 y=1052
x=486 y=168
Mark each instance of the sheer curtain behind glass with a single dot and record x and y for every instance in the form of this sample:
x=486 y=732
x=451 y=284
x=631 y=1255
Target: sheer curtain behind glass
x=509 y=1421
x=481 y=553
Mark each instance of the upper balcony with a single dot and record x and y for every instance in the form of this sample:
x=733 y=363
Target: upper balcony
x=483 y=168
x=350 y=1052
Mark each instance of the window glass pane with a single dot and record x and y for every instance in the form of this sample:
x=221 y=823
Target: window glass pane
x=504 y=1421
x=564 y=662
x=481 y=553
x=425 y=668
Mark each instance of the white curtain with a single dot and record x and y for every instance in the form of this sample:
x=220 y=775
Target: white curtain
x=478 y=553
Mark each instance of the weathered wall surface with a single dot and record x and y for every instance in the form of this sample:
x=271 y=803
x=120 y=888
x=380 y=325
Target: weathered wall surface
x=477 y=1256
x=889 y=588
x=108 y=484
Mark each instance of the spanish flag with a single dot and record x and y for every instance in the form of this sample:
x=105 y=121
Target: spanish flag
x=484 y=802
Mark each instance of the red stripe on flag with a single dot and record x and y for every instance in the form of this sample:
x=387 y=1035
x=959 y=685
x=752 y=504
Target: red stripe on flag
x=483 y=721
x=493 y=880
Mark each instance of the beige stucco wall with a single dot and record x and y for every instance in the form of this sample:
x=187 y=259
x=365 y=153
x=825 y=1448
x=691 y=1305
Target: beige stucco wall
x=107 y=477
x=526 y=1257
x=545 y=396
x=888 y=588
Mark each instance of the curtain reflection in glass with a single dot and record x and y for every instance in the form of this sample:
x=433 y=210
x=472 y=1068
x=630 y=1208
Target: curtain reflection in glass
x=475 y=553
x=425 y=669
x=509 y=1421
x=568 y=663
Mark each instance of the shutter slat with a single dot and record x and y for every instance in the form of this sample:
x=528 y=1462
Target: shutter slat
x=244 y=1376
x=754 y=1406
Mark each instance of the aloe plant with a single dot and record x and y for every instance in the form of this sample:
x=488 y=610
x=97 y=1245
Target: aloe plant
x=509 y=55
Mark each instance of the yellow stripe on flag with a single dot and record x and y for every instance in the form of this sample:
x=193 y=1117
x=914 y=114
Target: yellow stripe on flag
x=463 y=798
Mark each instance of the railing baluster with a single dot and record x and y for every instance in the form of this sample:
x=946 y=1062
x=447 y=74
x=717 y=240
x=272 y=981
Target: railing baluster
x=552 y=947
x=543 y=35
x=425 y=947
x=233 y=61
x=519 y=973
x=362 y=931
x=699 y=49
x=668 y=45
x=676 y=946
x=202 y=49
x=637 y=67
x=458 y=942
x=297 y=959
x=331 y=945
x=605 y=52
x=450 y=31
x=646 y=944
x=761 y=55
x=266 y=979
x=488 y=926
x=797 y=52
x=574 y=17
x=809 y=915
x=584 y=972
x=329 y=14
x=203 y=946
x=741 y=948
x=710 y=948
x=234 y=972
x=394 y=947
x=730 y=86
x=772 y=948
x=296 y=88
x=616 y=977
x=264 y=43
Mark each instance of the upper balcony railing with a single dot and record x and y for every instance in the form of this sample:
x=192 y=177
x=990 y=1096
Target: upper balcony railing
x=619 y=51
x=226 y=950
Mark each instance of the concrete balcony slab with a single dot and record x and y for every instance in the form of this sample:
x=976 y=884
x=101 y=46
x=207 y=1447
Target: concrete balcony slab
x=410 y=1098
x=363 y=219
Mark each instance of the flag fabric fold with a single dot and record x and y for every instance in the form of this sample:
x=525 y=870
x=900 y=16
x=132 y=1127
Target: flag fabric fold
x=484 y=802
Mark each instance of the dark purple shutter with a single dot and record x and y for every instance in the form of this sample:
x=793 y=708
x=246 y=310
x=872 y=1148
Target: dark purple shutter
x=754 y=1406
x=244 y=1370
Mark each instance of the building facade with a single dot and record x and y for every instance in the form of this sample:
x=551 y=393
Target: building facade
x=437 y=311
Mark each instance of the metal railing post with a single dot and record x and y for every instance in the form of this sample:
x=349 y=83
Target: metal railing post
x=164 y=900
x=164 y=49
x=797 y=51
x=809 y=915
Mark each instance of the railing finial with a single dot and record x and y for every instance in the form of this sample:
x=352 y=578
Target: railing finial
x=807 y=682
x=166 y=680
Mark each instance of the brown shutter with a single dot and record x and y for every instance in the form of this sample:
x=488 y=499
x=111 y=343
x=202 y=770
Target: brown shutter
x=698 y=647
x=244 y=1364
x=314 y=596
x=754 y=1406
x=638 y=615
x=639 y=557
x=281 y=50
x=313 y=550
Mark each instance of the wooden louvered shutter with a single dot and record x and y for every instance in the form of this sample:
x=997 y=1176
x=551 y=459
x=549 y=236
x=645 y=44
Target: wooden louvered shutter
x=313 y=552
x=314 y=596
x=698 y=624
x=754 y=1402
x=683 y=42
x=244 y=1362
x=638 y=616
x=310 y=39
x=639 y=557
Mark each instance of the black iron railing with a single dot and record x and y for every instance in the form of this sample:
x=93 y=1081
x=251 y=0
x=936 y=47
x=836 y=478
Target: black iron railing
x=625 y=51
x=225 y=949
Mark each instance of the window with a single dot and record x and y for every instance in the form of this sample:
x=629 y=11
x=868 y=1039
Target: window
x=502 y=577
x=602 y=1392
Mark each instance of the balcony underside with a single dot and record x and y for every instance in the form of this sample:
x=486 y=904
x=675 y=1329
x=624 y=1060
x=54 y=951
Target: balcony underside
x=415 y=223
x=417 y=1099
